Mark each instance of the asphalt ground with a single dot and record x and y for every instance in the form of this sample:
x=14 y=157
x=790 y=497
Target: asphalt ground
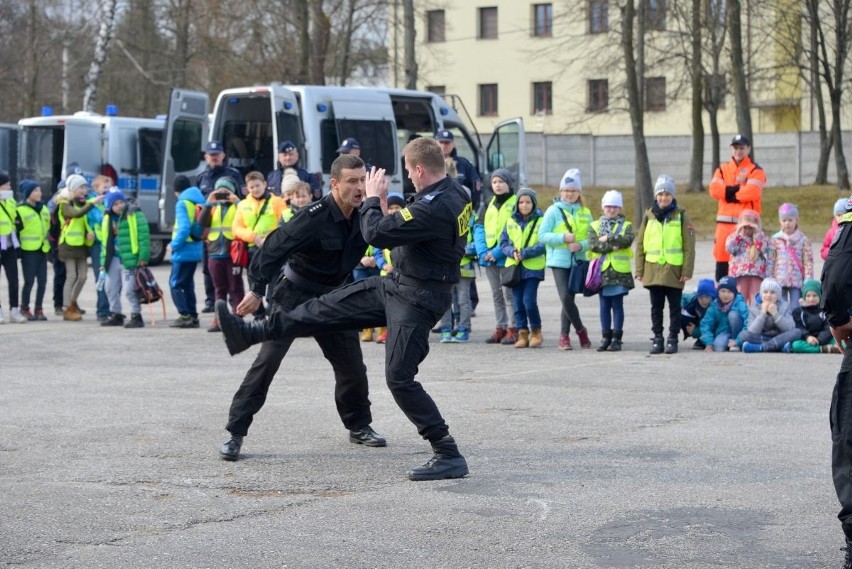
x=109 y=440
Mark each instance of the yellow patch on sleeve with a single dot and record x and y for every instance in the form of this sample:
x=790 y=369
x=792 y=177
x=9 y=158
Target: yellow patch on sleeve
x=406 y=214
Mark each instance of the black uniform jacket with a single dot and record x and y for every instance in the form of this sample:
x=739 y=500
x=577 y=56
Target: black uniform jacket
x=837 y=275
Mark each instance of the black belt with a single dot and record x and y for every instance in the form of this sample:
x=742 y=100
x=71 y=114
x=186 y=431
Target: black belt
x=435 y=286
x=306 y=285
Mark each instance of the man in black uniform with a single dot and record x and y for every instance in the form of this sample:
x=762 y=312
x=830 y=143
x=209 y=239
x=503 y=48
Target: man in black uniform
x=837 y=303
x=428 y=239
x=317 y=249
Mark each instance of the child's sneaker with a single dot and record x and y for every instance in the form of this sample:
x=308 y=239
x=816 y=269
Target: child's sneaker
x=462 y=336
x=383 y=336
x=734 y=349
x=787 y=348
x=752 y=348
x=446 y=335
x=16 y=316
x=26 y=312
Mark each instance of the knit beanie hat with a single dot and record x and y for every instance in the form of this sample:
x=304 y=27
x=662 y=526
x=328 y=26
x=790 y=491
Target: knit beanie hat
x=75 y=181
x=27 y=187
x=811 y=285
x=227 y=183
x=395 y=198
x=612 y=198
x=788 y=210
x=770 y=285
x=571 y=180
x=729 y=283
x=749 y=217
x=706 y=287
x=113 y=195
x=527 y=192
x=840 y=206
x=506 y=176
x=665 y=183
x=4 y=178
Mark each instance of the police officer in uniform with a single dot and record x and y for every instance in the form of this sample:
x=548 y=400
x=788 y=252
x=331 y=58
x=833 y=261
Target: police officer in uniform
x=214 y=155
x=428 y=240
x=310 y=255
x=837 y=304
x=288 y=157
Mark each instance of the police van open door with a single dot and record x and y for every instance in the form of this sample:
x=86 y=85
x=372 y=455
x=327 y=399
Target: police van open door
x=507 y=148
x=184 y=138
x=83 y=146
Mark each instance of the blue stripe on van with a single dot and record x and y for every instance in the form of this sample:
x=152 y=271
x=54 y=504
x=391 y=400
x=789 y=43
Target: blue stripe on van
x=149 y=185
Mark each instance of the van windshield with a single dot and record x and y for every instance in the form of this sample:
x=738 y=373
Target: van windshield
x=41 y=155
x=376 y=138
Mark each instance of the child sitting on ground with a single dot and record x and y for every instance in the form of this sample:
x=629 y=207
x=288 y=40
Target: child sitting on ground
x=771 y=321
x=693 y=306
x=816 y=335
x=724 y=319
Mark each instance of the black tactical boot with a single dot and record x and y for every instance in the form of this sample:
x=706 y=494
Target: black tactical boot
x=616 y=341
x=114 y=319
x=847 y=562
x=367 y=437
x=447 y=462
x=671 y=345
x=238 y=334
x=657 y=345
x=230 y=449
x=606 y=341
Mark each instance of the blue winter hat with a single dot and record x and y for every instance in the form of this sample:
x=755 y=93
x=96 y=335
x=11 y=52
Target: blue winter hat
x=706 y=287
x=113 y=195
x=728 y=282
x=27 y=187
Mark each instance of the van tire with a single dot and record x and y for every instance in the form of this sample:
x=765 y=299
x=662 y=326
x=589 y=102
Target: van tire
x=158 y=252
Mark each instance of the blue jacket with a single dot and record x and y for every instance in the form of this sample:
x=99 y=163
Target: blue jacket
x=715 y=321
x=557 y=255
x=184 y=250
x=96 y=214
x=206 y=180
x=534 y=250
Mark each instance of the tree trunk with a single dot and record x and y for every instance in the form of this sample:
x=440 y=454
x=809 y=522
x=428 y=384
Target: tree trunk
x=303 y=20
x=410 y=59
x=183 y=17
x=837 y=140
x=345 y=71
x=644 y=190
x=319 y=42
x=714 y=134
x=738 y=76
x=32 y=71
x=825 y=140
x=105 y=32
x=696 y=170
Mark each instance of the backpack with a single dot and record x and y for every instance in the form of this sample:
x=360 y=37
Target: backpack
x=149 y=291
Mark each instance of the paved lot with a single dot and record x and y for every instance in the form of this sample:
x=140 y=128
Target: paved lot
x=108 y=455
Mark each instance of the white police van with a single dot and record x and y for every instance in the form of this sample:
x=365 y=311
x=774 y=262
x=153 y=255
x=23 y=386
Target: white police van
x=139 y=153
x=9 y=150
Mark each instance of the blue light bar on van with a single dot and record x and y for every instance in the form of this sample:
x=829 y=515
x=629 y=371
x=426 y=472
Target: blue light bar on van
x=444 y=111
x=112 y=110
x=288 y=105
x=47 y=111
x=233 y=101
x=321 y=107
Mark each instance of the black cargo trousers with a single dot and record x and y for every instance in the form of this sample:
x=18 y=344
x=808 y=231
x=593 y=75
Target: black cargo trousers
x=342 y=349
x=408 y=307
x=840 y=418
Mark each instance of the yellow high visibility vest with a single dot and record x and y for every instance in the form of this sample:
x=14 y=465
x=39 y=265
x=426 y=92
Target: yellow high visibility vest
x=619 y=259
x=495 y=220
x=190 y=213
x=663 y=242
x=220 y=225
x=519 y=237
x=7 y=216
x=75 y=231
x=35 y=227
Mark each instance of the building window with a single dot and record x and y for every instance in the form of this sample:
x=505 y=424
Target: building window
x=598 y=16
x=435 y=26
x=598 y=95
x=655 y=94
x=655 y=14
x=437 y=89
x=543 y=20
x=715 y=89
x=488 y=23
x=543 y=98
x=488 y=100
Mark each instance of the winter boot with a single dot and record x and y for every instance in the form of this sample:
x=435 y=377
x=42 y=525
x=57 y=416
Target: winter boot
x=238 y=334
x=583 y=334
x=114 y=319
x=616 y=341
x=606 y=341
x=535 y=338
x=71 y=313
x=367 y=335
x=565 y=342
x=135 y=321
x=498 y=335
x=523 y=340
x=510 y=338
x=447 y=462
x=671 y=345
x=657 y=345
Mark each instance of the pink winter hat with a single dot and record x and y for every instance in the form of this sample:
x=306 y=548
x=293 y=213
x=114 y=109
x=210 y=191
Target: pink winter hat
x=788 y=210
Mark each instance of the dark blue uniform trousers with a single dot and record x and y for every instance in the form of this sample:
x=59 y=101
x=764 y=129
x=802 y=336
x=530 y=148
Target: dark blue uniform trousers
x=840 y=418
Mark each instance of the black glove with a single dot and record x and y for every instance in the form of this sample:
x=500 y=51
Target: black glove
x=731 y=194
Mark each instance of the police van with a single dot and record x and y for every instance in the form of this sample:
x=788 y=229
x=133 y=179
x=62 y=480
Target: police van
x=9 y=150
x=137 y=152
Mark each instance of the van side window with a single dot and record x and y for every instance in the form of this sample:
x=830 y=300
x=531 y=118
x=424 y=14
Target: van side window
x=377 y=140
x=186 y=144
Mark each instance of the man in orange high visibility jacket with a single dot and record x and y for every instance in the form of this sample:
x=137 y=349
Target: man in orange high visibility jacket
x=737 y=186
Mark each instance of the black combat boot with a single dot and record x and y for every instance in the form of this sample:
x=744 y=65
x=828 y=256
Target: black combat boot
x=671 y=345
x=847 y=562
x=606 y=341
x=114 y=319
x=446 y=463
x=230 y=449
x=616 y=341
x=238 y=334
x=657 y=345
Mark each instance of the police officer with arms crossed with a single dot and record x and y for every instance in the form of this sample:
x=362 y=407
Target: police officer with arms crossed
x=310 y=255
x=428 y=240
x=837 y=304
x=288 y=158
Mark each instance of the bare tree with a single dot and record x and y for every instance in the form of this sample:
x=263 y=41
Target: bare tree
x=738 y=73
x=410 y=39
x=107 y=11
x=319 y=42
x=696 y=169
x=813 y=74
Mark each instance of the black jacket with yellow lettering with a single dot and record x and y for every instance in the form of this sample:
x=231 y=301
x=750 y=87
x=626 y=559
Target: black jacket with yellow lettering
x=428 y=237
x=837 y=275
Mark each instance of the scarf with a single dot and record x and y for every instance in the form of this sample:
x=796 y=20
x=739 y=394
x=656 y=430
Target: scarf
x=726 y=307
x=608 y=226
x=501 y=199
x=662 y=213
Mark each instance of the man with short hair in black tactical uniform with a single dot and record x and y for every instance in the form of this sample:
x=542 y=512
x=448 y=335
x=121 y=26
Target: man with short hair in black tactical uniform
x=428 y=239
x=309 y=256
x=837 y=304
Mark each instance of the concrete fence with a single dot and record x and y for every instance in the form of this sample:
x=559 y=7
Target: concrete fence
x=789 y=159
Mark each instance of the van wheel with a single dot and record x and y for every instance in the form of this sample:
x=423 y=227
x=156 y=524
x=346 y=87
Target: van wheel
x=158 y=252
